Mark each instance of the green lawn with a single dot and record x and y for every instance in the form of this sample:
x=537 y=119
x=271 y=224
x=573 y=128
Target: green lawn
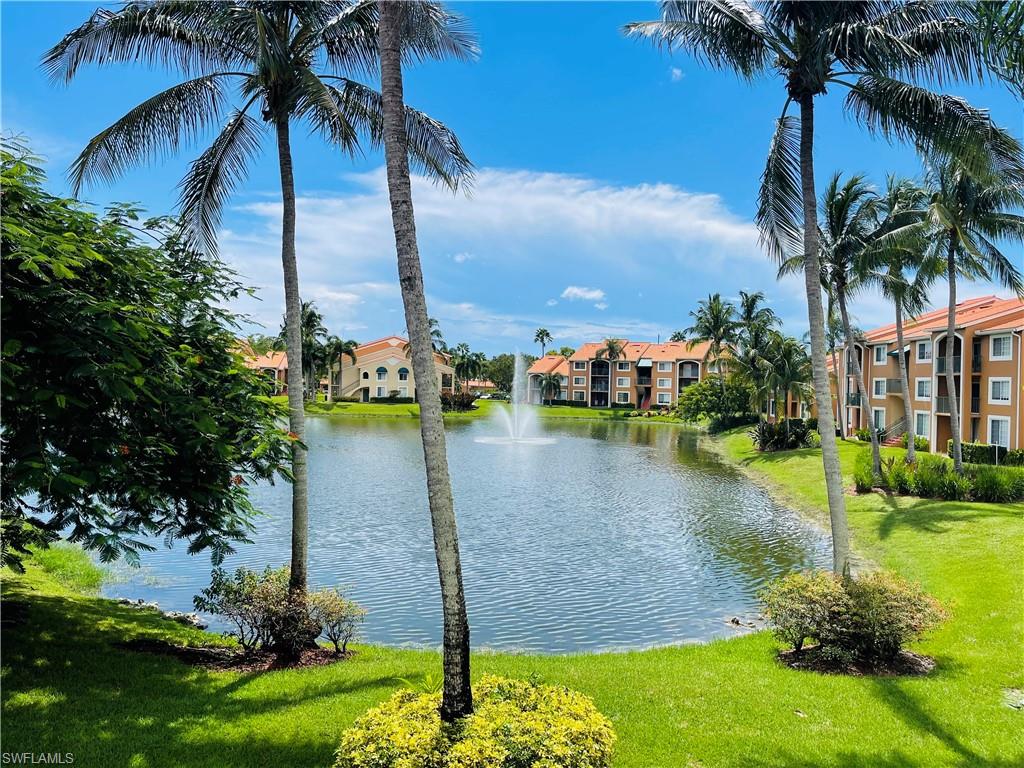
x=67 y=687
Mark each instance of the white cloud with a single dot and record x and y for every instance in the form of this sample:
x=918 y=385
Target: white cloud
x=463 y=257
x=575 y=292
x=551 y=302
x=601 y=305
x=676 y=74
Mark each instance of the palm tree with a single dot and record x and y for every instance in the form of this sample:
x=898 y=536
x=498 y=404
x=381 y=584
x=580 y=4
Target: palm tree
x=436 y=337
x=271 y=51
x=467 y=365
x=677 y=336
x=611 y=350
x=714 y=322
x=849 y=227
x=753 y=316
x=969 y=217
x=543 y=338
x=874 y=50
x=400 y=23
x=550 y=386
x=313 y=333
x=788 y=371
x=258 y=344
x=335 y=351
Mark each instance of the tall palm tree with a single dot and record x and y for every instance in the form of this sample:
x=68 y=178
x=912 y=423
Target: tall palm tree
x=875 y=50
x=611 y=350
x=335 y=351
x=399 y=24
x=467 y=365
x=313 y=332
x=752 y=315
x=550 y=386
x=290 y=61
x=969 y=218
x=543 y=338
x=788 y=371
x=715 y=323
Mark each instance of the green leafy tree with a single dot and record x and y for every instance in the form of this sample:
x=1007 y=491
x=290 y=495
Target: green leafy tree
x=709 y=400
x=401 y=23
x=878 y=52
x=290 y=61
x=501 y=369
x=128 y=412
x=566 y=352
x=258 y=344
x=542 y=337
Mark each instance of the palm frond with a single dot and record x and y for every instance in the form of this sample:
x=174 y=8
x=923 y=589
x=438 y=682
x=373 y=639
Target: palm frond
x=213 y=176
x=780 y=203
x=156 y=126
x=430 y=31
x=350 y=39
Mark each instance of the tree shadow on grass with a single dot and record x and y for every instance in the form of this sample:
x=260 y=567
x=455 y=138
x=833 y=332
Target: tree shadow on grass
x=66 y=688
x=932 y=515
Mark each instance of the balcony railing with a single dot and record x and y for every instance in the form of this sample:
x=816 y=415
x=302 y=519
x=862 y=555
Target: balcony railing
x=976 y=364
x=894 y=386
x=853 y=399
x=975 y=405
x=942 y=403
x=599 y=386
x=643 y=381
x=941 y=364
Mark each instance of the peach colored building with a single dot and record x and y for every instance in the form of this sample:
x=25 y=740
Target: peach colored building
x=383 y=368
x=274 y=365
x=987 y=364
x=551 y=363
x=644 y=375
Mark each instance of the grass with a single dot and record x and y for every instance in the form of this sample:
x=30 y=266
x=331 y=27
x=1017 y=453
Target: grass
x=67 y=687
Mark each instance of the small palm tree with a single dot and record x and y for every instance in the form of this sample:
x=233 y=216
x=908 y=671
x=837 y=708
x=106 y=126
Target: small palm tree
x=875 y=50
x=714 y=323
x=677 y=336
x=335 y=352
x=290 y=61
x=467 y=365
x=969 y=218
x=611 y=350
x=543 y=338
x=788 y=371
x=550 y=386
x=314 y=332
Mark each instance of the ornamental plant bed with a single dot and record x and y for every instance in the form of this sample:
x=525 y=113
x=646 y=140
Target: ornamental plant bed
x=903 y=664
x=222 y=659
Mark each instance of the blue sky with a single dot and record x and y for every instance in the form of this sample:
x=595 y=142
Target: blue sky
x=616 y=183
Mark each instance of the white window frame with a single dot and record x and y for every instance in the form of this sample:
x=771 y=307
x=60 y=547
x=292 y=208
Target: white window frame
x=1009 y=390
x=928 y=424
x=874 y=389
x=992 y=347
x=622 y=381
x=382 y=375
x=1006 y=421
x=683 y=369
x=381 y=392
x=579 y=397
x=667 y=400
x=883 y=348
x=664 y=383
x=403 y=391
x=917 y=396
x=622 y=397
x=664 y=366
x=927 y=343
x=622 y=365
x=771 y=407
x=579 y=365
x=884 y=417
x=579 y=381
x=403 y=375
x=564 y=381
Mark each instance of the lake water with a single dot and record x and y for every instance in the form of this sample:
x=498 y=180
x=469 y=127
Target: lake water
x=619 y=535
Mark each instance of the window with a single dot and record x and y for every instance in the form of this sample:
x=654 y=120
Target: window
x=664 y=366
x=878 y=387
x=578 y=381
x=563 y=380
x=922 y=389
x=880 y=351
x=579 y=365
x=579 y=397
x=622 y=397
x=622 y=381
x=924 y=351
x=999 y=348
x=878 y=417
x=403 y=391
x=771 y=407
x=999 y=431
x=366 y=374
x=403 y=374
x=664 y=383
x=664 y=398
x=999 y=391
x=622 y=365
x=689 y=370
x=922 y=423
x=382 y=374
x=382 y=391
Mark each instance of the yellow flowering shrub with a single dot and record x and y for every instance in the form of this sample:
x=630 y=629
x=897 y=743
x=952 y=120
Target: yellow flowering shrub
x=515 y=724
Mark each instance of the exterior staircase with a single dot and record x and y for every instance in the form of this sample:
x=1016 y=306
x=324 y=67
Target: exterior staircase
x=892 y=435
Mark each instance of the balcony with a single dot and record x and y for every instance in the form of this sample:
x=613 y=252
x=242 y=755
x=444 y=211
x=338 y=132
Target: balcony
x=975 y=405
x=941 y=364
x=942 y=403
x=976 y=364
x=894 y=386
x=599 y=386
x=853 y=399
x=643 y=381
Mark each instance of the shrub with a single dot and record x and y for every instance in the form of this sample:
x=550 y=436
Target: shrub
x=931 y=476
x=458 y=401
x=864 y=478
x=338 y=617
x=979 y=453
x=869 y=618
x=780 y=436
x=1014 y=458
x=515 y=724
x=812 y=423
x=728 y=421
x=996 y=484
x=802 y=605
x=625 y=406
x=920 y=443
x=864 y=435
x=900 y=478
x=396 y=400
x=956 y=487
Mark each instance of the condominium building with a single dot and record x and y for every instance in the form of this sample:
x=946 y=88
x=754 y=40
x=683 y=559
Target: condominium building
x=987 y=365
x=273 y=365
x=643 y=375
x=382 y=369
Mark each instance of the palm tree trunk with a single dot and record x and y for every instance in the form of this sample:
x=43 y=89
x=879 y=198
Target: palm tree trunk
x=816 y=321
x=907 y=407
x=858 y=372
x=457 y=697
x=954 y=401
x=293 y=346
x=839 y=394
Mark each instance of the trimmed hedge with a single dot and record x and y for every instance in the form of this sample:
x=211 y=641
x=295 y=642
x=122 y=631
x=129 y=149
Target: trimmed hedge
x=933 y=477
x=393 y=400
x=979 y=453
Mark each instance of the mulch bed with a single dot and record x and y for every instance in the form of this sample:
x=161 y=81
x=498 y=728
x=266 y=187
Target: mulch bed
x=905 y=664
x=224 y=659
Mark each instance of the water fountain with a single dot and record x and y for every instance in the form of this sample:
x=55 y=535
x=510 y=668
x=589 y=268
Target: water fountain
x=519 y=420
